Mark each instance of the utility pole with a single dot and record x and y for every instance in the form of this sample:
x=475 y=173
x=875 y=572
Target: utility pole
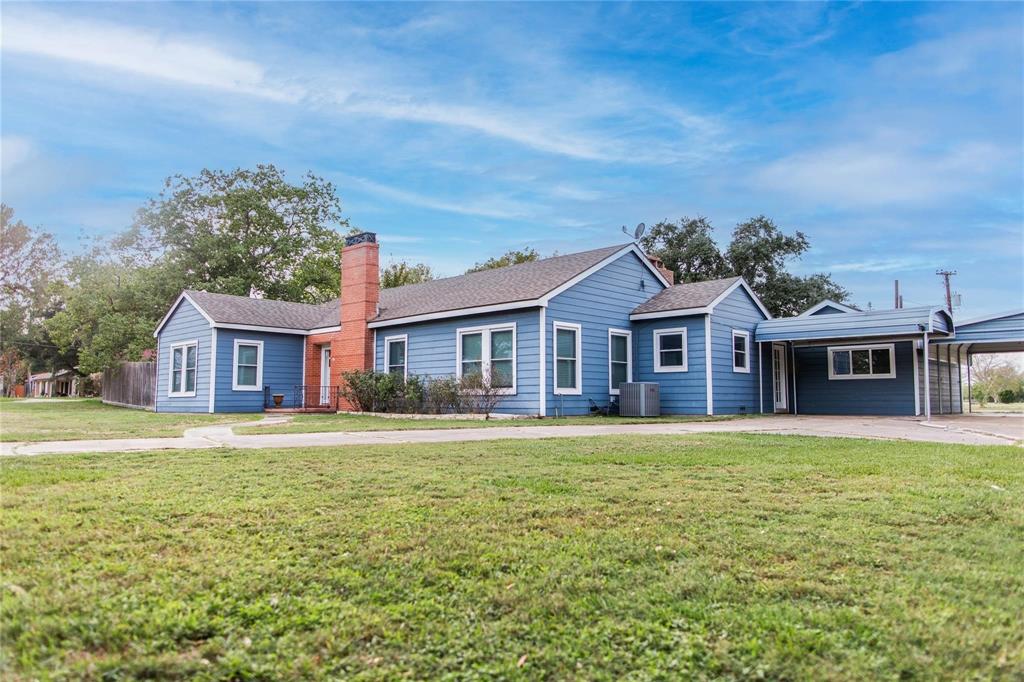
x=896 y=295
x=945 y=275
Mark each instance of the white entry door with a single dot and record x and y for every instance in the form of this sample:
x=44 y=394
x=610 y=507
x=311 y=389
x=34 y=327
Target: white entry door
x=780 y=389
x=325 y=375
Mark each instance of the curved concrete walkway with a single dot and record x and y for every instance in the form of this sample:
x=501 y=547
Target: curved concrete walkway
x=883 y=428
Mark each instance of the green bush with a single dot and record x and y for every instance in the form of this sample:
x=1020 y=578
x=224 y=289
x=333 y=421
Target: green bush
x=442 y=396
x=1007 y=395
x=370 y=391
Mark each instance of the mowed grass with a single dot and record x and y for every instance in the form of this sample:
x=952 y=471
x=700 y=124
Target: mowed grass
x=88 y=419
x=708 y=556
x=317 y=423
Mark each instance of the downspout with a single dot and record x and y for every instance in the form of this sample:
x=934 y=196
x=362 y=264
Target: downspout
x=927 y=384
x=542 y=397
x=917 y=381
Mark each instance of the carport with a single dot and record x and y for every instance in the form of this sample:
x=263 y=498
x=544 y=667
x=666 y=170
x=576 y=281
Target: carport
x=858 y=363
x=999 y=333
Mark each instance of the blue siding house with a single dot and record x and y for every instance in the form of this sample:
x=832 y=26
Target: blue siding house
x=558 y=336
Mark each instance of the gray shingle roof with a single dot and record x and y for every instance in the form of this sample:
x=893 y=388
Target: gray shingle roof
x=261 y=312
x=683 y=296
x=523 y=282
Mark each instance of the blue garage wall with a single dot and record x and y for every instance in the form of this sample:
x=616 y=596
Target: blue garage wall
x=944 y=380
x=816 y=394
x=431 y=352
x=601 y=301
x=282 y=369
x=681 y=392
x=734 y=392
x=185 y=324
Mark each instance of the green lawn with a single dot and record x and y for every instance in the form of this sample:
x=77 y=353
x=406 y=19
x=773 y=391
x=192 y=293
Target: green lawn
x=995 y=408
x=315 y=423
x=710 y=556
x=87 y=419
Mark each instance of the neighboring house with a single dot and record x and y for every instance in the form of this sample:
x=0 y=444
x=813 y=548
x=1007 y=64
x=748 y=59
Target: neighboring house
x=62 y=383
x=556 y=334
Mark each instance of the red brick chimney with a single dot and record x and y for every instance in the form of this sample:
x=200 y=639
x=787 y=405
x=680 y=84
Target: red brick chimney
x=360 y=292
x=665 y=272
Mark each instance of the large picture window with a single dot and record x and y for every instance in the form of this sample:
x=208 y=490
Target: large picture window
x=395 y=354
x=490 y=351
x=670 y=350
x=620 y=360
x=183 y=363
x=876 y=361
x=247 y=367
x=568 y=349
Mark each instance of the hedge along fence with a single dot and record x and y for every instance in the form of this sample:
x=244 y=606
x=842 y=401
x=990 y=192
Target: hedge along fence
x=131 y=384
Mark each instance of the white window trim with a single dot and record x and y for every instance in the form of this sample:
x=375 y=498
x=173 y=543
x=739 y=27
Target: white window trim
x=868 y=347
x=485 y=351
x=259 y=365
x=658 y=367
x=170 y=368
x=629 y=357
x=568 y=326
x=398 y=338
x=746 y=351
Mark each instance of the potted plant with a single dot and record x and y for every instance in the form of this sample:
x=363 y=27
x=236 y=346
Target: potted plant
x=278 y=399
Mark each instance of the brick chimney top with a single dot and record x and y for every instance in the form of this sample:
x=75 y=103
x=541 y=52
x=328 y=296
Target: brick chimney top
x=660 y=267
x=361 y=238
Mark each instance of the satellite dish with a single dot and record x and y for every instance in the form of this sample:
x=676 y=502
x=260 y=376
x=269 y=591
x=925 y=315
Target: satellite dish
x=637 y=233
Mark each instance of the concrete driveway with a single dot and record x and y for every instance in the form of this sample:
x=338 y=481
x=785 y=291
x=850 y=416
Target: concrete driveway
x=945 y=430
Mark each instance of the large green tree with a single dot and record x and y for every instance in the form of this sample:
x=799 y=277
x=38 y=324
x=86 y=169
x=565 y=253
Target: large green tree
x=512 y=257
x=30 y=265
x=245 y=232
x=759 y=252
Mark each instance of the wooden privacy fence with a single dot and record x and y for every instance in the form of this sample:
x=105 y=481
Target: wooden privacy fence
x=132 y=384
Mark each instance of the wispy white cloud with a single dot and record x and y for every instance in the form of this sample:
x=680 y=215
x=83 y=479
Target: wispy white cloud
x=880 y=265
x=14 y=151
x=487 y=207
x=882 y=171
x=145 y=53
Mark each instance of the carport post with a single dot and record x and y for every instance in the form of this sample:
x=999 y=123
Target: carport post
x=927 y=388
x=760 y=376
x=970 y=393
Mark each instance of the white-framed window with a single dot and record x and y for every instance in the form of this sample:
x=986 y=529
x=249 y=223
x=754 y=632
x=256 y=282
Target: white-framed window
x=247 y=366
x=740 y=351
x=396 y=351
x=620 y=358
x=183 y=361
x=871 y=361
x=568 y=352
x=490 y=351
x=670 y=350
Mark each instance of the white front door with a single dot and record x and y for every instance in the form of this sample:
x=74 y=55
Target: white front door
x=780 y=389
x=325 y=375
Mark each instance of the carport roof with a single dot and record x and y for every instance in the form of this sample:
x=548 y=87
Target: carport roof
x=999 y=333
x=856 y=325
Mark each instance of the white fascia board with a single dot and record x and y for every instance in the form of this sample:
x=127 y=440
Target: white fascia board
x=740 y=283
x=461 y=312
x=258 y=328
x=323 y=330
x=632 y=248
x=177 y=302
x=827 y=303
x=679 y=312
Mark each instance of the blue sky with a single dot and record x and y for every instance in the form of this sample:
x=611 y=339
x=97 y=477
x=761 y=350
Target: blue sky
x=890 y=133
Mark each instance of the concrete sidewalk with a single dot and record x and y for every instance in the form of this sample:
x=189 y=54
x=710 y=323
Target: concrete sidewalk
x=882 y=428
